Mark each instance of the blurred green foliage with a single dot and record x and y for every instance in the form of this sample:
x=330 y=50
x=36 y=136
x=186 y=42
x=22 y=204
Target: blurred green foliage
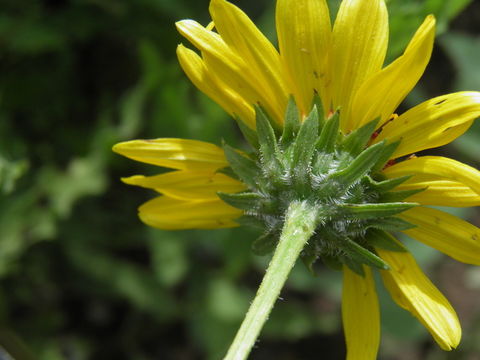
x=81 y=277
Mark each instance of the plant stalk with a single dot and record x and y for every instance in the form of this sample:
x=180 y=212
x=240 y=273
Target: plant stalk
x=300 y=223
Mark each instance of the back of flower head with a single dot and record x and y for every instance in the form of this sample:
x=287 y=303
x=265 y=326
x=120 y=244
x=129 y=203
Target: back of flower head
x=327 y=176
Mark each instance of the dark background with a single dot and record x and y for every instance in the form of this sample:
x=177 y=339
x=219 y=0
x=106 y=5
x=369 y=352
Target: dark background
x=82 y=278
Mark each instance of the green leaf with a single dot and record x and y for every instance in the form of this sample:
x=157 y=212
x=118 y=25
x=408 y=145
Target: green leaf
x=385 y=156
x=390 y=224
x=292 y=123
x=10 y=172
x=266 y=138
x=265 y=244
x=309 y=260
x=354 y=265
x=229 y=172
x=386 y=185
x=407 y=15
x=372 y=211
x=464 y=51
x=84 y=176
x=225 y=301
x=132 y=282
x=395 y=196
x=329 y=134
x=384 y=240
x=243 y=201
x=250 y=221
x=317 y=102
x=359 y=166
x=359 y=253
x=332 y=262
x=168 y=259
x=244 y=167
x=249 y=134
x=356 y=141
x=304 y=145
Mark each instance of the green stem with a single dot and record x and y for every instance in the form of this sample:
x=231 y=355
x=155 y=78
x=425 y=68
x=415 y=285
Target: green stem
x=300 y=223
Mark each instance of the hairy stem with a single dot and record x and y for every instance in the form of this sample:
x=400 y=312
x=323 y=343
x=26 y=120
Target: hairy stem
x=300 y=223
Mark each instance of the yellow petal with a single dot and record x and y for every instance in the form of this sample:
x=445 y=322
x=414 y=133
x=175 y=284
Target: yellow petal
x=174 y=153
x=413 y=291
x=437 y=166
x=208 y=41
x=361 y=317
x=188 y=185
x=219 y=92
x=381 y=94
x=228 y=67
x=244 y=38
x=444 y=232
x=433 y=123
x=304 y=39
x=360 y=37
x=440 y=192
x=171 y=214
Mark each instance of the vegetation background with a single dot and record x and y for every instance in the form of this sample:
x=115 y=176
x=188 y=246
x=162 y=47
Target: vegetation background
x=82 y=278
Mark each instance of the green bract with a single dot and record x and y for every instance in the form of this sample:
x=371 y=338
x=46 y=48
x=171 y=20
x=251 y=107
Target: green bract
x=337 y=175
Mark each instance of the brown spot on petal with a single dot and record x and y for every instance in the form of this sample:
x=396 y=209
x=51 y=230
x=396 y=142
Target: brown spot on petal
x=374 y=135
x=389 y=163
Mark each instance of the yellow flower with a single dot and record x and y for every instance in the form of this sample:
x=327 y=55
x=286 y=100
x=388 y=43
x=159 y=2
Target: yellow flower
x=344 y=65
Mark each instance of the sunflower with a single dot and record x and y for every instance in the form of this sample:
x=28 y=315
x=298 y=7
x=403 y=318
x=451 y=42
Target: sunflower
x=330 y=173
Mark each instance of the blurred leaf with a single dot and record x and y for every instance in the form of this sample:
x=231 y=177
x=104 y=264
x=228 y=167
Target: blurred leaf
x=23 y=221
x=445 y=10
x=468 y=144
x=127 y=280
x=10 y=172
x=464 y=52
x=28 y=35
x=407 y=15
x=169 y=262
x=83 y=177
x=290 y=321
x=134 y=102
x=225 y=301
x=293 y=320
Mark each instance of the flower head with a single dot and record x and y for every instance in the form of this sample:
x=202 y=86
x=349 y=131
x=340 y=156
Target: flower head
x=319 y=114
